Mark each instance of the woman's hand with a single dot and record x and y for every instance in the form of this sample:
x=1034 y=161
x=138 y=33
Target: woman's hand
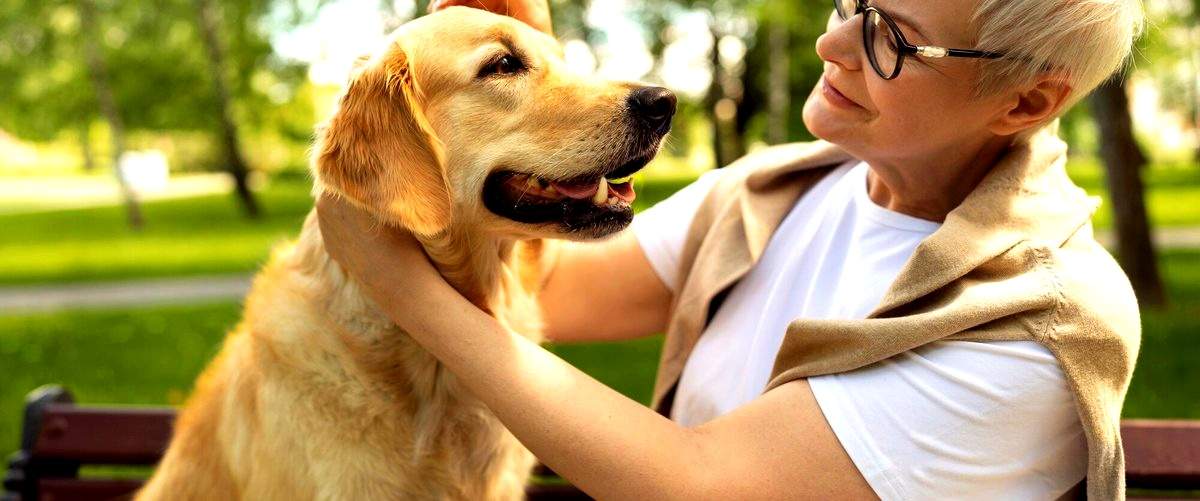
x=386 y=261
x=535 y=13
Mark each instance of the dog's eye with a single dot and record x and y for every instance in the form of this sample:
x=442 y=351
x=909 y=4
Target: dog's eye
x=507 y=65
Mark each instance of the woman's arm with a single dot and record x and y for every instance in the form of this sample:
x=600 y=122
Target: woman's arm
x=778 y=446
x=603 y=291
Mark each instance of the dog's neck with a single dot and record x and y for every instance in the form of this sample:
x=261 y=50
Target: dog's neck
x=473 y=262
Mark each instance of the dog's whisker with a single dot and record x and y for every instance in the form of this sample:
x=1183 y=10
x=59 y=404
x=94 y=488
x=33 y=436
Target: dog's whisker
x=521 y=197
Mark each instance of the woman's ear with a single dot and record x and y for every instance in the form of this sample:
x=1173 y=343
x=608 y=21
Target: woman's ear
x=1034 y=105
x=379 y=151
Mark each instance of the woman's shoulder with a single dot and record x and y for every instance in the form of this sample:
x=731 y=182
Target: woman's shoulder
x=1096 y=298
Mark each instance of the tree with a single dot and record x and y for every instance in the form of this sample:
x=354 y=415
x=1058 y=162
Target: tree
x=1123 y=161
x=209 y=23
x=98 y=70
x=159 y=72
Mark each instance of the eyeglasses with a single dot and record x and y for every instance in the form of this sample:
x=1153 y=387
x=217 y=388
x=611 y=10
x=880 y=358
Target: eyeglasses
x=886 y=46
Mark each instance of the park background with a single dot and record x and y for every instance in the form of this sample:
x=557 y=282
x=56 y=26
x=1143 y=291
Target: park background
x=121 y=287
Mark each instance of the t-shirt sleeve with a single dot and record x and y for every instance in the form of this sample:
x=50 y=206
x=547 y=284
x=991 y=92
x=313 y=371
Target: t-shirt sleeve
x=662 y=229
x=957 y=419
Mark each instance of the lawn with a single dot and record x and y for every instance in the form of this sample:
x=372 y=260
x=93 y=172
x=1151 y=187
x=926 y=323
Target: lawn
x=182 y=237
x=205 y=235
x=193 y=236
x=151 y=356
x=1172 y=192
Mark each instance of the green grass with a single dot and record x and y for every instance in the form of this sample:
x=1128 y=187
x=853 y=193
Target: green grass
x=195 y=236
x=182 y=237
x=131 y=356
x=1172 y=192
x=152 y=355
x=208 y=235
x=1167 y=378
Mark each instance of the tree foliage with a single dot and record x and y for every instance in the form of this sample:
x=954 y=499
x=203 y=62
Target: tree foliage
x=159 y=73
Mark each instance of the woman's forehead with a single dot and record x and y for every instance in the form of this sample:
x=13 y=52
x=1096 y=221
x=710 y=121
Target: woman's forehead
x=939 y=22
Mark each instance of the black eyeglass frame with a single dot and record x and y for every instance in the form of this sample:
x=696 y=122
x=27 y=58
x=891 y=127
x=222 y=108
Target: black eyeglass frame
x=905 y=48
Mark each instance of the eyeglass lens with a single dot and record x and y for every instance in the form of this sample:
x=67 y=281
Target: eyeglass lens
x=882 y=47
x=846 y=9
x=879 y=40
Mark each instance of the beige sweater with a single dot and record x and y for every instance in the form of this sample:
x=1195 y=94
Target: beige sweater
x=1016 y=261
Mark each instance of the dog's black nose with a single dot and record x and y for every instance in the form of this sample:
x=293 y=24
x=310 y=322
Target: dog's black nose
x=653 y=105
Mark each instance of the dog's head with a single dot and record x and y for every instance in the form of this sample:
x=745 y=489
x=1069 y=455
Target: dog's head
x=472 y=118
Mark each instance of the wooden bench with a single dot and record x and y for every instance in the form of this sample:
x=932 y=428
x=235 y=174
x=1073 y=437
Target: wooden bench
x=58 y=437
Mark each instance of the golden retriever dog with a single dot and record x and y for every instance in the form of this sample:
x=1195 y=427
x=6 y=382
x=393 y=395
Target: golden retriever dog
x=467 y=130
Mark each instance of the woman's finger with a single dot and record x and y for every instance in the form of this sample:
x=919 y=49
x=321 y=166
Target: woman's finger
x=535 y=13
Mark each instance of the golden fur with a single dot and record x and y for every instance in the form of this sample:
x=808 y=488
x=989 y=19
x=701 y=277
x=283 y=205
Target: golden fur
x=316 y=394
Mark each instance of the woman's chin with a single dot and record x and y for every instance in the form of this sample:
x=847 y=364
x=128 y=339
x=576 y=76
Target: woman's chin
x=826 y=123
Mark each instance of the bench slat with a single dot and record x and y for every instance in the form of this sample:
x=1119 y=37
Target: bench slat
x=93 y=488
x=554 y=493
x=1161 y=454
x=104 y=435
x=64 y=489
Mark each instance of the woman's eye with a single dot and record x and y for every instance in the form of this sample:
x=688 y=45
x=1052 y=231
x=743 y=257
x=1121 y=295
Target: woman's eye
x=507 y=65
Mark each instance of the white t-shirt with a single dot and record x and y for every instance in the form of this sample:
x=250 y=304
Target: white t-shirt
x=949 y=419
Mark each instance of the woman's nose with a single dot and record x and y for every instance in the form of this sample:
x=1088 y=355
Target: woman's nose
x=841 y=44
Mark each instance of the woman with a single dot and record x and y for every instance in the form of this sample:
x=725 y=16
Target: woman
x=913 y=307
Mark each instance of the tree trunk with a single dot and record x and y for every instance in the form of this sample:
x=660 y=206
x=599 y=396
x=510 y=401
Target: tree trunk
x=722 y=106
x=209 y=22
x=711 y=99
x=85 y=146
x=779 y=87
x=1194 y=60
x=98 y=71
x=1123 y=161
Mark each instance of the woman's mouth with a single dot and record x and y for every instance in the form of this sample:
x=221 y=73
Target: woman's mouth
x=836 y=98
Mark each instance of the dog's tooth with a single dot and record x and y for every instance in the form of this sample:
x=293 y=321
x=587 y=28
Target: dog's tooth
x=532 y=182
x=550 y=191
x=601 y=192
x=612 y=200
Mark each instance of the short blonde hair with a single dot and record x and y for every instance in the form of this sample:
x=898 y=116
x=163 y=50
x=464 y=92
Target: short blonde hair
x=1088 y=40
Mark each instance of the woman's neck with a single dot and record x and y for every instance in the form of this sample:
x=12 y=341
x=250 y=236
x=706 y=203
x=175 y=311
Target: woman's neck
x=930 y=186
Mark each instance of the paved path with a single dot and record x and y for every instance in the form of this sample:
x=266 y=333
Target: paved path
x=1164 y=238
x=148 y=292
x=233 y=287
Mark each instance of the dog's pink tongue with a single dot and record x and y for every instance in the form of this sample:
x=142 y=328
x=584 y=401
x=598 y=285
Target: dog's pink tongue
x=576 y=190
x=623 y=191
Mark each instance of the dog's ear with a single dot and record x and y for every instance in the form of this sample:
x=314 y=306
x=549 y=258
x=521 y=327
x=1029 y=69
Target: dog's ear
x=379 y=151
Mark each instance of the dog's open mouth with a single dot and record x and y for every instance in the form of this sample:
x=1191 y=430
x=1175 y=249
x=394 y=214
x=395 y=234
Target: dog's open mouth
x=597 y=205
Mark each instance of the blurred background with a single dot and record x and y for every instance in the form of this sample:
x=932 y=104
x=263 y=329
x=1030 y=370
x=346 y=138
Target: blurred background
x=152 y=152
